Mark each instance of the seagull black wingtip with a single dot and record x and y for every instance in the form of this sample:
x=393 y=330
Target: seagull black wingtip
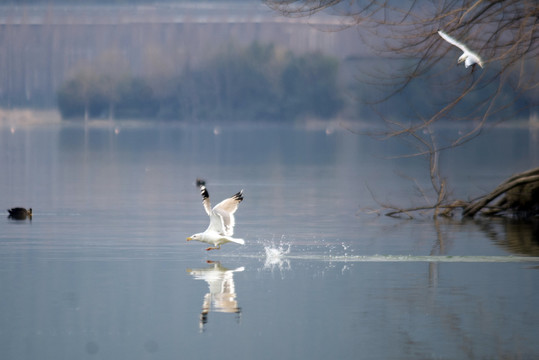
x=239 y=196
x=200 y=182
x=204 y=192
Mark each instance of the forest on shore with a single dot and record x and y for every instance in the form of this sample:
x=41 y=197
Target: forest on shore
x=253 y=82
x=258 y=82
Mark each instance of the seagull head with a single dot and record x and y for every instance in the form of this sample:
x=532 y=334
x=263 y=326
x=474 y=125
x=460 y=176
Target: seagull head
x=462 y=58
x=195 y=237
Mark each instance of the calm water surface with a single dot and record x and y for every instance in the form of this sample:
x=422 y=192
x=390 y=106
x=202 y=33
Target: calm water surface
x=104 y=271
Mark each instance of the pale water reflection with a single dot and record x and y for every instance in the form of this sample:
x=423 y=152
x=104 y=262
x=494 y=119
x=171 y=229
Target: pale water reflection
x=222 y=291
x=100 y=271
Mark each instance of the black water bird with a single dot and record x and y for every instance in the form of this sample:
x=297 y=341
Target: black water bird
x=19 y=213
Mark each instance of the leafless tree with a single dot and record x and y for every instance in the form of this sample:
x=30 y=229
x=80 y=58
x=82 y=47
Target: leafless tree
x=504 y=33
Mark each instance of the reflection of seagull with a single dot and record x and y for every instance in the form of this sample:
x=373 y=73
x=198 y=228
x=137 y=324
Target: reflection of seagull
x=19 y=213
x=222 y=221
x=222 y=295
x=470 y=58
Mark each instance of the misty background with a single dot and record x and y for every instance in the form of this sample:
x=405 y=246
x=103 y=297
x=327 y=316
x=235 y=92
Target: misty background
x=194 y=61
x=143 y=58
x=110 y=111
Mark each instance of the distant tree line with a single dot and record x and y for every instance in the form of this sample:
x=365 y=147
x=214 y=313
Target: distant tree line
x=262 y=82
x=257 y=82
x=386 y=98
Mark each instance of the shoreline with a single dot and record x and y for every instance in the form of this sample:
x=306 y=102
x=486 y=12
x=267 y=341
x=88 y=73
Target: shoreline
x=15 y=118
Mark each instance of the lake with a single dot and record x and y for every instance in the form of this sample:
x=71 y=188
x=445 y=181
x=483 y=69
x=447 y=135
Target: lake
x=103 y=270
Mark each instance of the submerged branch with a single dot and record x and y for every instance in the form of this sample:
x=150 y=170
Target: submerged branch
x=527 y=202
x=520 y=198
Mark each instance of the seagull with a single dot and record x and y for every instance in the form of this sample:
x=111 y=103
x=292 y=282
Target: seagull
x=222 y=221
x=19 y=213
x=470 y=58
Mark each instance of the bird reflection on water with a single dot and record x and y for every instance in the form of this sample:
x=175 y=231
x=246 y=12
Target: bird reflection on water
x=222 y=292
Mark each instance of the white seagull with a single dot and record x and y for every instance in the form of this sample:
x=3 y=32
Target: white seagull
x=470 y=58
x=222 y=221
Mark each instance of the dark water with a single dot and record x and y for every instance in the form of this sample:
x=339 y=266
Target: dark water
x=103 y=270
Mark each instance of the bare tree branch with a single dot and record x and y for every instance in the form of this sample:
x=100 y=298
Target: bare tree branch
x=503 y=32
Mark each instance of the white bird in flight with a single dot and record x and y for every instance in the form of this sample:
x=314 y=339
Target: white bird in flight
x=222 y=221
x=470 y=58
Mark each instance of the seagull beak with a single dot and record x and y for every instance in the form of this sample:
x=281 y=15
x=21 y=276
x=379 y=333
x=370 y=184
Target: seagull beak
x=189 y=239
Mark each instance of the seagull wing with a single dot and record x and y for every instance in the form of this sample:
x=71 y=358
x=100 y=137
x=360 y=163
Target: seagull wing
x=230 y=205
x=222 y=215
x=205 y=199
x=452 y=41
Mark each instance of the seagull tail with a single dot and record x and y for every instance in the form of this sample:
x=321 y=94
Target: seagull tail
x=234 y=240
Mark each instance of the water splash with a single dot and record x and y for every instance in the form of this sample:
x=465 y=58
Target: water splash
x=281 y=257
x=276 y=252
x=416 y=258
x=275 y=256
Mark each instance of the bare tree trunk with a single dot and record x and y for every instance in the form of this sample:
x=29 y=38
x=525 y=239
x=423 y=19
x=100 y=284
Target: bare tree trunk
x=86 y=115
x=111 y=111
x=521 y=179
x=519 y=197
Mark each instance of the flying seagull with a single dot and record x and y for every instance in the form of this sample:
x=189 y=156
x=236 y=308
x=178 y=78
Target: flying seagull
x=470 y=58
x=222 y=221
